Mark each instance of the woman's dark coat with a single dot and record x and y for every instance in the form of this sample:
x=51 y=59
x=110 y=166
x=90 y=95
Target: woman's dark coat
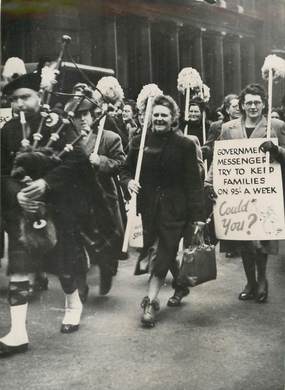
x=171 y=192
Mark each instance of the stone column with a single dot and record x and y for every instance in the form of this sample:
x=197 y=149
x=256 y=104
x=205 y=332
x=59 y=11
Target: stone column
x=219 y=68
x=111 y=44
x=236 y=65
x=198 y=52
x=251 y=66
x=185 y=46
x=145 y=63
x=174 y=58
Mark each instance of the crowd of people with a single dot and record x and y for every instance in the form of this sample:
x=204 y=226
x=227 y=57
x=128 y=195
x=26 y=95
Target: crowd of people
x=77 y=187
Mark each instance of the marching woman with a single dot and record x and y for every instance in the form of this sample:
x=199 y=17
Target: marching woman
x=106 y=163
x=63 y=188
x=253 y=124
x=169 y=197
x=195 y=126
x=129 y=116
x=230 y=110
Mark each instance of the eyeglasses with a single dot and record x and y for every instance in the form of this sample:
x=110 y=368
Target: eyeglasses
x=255 y=102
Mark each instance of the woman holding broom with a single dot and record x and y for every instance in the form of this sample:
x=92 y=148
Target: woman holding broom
x=169 y=198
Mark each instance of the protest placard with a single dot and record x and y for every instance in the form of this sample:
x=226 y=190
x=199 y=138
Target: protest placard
x=5 y=116
x=250 y=194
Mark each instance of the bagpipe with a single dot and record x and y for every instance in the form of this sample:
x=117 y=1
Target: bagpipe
x=34 y=160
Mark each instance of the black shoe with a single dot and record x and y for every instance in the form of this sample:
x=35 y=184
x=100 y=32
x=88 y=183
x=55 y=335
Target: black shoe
x=262 y=292
x=68 y=328
x=8 y=350
x=124 y=256
x=83 y=295
x=177 y=297
x=149 y=309
x=106 y=277
x=247 y=293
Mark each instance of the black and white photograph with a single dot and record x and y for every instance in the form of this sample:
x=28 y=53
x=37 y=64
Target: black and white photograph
x=142 y=229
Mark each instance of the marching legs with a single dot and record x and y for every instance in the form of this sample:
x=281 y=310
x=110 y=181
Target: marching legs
x=73 y=306
x=249 y=269
x=16 y=340
x=150 y=303
x=262 y=283
x=83 y=288
x=179 y=291
x=255 y=264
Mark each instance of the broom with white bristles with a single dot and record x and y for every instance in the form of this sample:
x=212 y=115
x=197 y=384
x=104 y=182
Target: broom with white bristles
x=111 y=91
x=188 y=81
x=144 y=102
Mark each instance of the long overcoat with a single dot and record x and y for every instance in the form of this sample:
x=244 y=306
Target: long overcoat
x=112 y=158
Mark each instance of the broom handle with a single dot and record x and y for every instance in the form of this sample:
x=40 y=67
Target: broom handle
x=186 y=111
x=132 y=203
x=204 y=137
x=99 y=135
x=144 y=131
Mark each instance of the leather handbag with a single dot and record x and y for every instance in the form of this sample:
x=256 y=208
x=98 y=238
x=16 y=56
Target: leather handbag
x=198 y=262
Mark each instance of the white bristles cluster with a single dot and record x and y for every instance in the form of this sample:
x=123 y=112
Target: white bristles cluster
x=189 y=77
x=110 y=88
x=48 y=77
x=277 y=64
x=147 y=91
x=204 y=94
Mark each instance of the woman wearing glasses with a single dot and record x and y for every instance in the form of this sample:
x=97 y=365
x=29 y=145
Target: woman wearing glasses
x=253 y=124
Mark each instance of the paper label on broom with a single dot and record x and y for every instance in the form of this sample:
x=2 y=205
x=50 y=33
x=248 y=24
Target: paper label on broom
x=250 y=202
x=136 y=233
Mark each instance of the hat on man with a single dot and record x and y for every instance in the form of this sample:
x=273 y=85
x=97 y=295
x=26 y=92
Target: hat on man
x=14 y=67
x=29 y=80
x=85 y=105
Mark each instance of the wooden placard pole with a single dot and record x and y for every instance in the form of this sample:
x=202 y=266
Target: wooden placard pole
x=270 y=93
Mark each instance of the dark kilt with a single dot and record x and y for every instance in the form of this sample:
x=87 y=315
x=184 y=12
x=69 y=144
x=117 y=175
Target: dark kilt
x=67 y=257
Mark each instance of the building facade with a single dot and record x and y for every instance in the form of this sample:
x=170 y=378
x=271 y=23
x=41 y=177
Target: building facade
x=151 y=41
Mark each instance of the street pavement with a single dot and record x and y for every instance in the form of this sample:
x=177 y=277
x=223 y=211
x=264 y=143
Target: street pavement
x=212 y=342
